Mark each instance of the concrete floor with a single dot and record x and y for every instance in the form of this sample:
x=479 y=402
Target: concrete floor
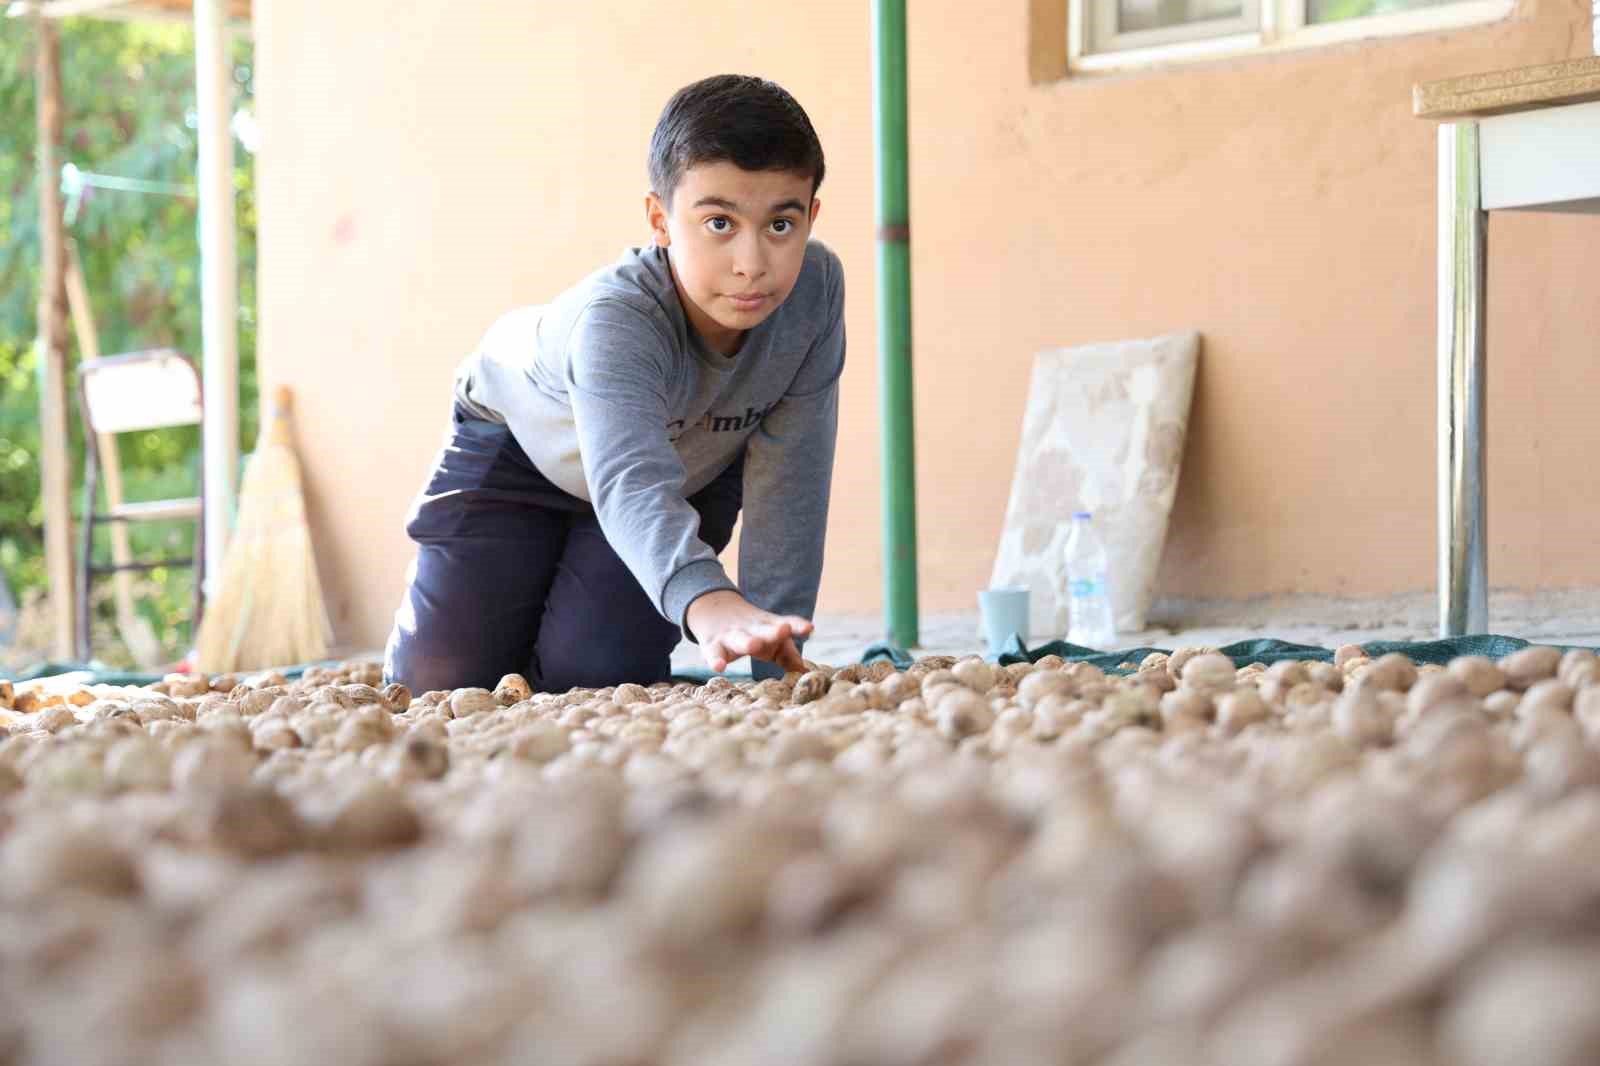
x=1570 y=616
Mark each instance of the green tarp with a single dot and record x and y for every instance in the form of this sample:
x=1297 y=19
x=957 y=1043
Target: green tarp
x=1264 y=650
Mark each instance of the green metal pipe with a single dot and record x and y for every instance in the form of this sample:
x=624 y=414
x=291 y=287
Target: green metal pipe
x=894 y=324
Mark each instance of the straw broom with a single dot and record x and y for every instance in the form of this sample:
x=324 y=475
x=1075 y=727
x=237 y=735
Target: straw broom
x=268 y=609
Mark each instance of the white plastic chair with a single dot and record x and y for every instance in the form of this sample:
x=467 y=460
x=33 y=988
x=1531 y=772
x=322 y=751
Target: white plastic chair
x=156 y=389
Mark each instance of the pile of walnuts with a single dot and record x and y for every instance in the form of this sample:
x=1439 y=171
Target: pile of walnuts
x=1303 y=864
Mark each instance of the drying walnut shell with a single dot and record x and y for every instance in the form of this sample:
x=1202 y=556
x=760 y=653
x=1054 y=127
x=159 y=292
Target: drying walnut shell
x=961 y=713
x=1238 y=709
x=1209 y=672
x=513 y=688
x=1180 y=658
x=976 y=674
x=1346 y=652
x=1393 y=671
x=1525 y=668
x=373 y=815
x=1551 y=693
x=55 y=719
x=252 y=821
x=810 y=687
x=466 y=702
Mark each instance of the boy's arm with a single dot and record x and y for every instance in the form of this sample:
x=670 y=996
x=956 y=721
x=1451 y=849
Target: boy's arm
x=788 y=474
x=617 y=381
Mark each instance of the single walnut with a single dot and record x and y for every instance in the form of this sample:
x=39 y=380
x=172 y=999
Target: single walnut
x=157 y=708
x=1186 y=703
x=1347 y=652
x=513 y=688
x=466 y=702
x=1359 y=717
x=1501 y=703
x=187 y=685
x=55 y=719
x=1393 y=671
x=1525 y=668
x=252 y=821
x=374 y=815
x=1156 y=677
x=960 y=712
x=396 y=696
x=274 y=734
x=627 y=694
x=1480 y=675
x=975 y=674
x=1326 y=675
x=1208 y=672
x=433 y=728
x=1289 y=673
x=1239 y=708
x=45 y=856
x=1436 y=690
x=797 y=746
x=1040 y=684
x=418 y=757
x=211 y=765
x=1551 y=693
x=1356 y=666
x=1180 y=658
x=855 y=673
x=359 y=694
x=811 y=687
x=539 y=742
x=361 y=731
x=138 y=762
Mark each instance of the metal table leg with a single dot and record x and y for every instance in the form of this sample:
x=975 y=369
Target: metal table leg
x=1463 y=569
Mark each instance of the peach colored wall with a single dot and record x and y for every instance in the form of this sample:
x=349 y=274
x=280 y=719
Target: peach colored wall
x=426 y=166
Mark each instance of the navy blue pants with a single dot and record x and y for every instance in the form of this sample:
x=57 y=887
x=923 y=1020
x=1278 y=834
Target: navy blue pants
x=513 y=575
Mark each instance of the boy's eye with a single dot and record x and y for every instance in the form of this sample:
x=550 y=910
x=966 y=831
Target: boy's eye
x=719 y=224
x=781 y=226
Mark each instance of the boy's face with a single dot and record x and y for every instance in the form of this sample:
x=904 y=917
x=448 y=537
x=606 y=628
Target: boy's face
x=737 y=240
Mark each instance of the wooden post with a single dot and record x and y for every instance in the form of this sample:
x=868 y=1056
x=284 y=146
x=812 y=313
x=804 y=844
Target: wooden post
x=55 y=474
x=219 y=284
x=137 y=634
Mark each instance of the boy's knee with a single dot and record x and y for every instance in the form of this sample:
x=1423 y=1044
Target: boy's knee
x=420 y=670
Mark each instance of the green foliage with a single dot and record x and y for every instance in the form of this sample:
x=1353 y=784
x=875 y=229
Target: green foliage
x=129 y=110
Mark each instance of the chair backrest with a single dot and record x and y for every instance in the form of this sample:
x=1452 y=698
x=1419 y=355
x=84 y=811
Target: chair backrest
x=140 y=390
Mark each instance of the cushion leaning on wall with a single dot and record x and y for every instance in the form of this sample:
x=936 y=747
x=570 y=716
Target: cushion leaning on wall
x=1103 y=431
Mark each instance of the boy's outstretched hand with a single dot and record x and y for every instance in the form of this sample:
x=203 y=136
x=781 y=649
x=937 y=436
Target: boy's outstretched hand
x=729 y=626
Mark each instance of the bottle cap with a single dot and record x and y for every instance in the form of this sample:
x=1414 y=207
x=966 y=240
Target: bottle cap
x=1082 y=514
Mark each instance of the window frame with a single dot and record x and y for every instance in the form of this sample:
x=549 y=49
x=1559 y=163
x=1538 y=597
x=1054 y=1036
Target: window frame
x=1282 y=28
x=1105 y=39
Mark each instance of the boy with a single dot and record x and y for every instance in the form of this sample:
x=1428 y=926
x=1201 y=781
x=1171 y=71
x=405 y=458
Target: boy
x=603 y=445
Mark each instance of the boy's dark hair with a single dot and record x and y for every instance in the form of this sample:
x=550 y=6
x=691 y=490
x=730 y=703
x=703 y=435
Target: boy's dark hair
x=749 y=122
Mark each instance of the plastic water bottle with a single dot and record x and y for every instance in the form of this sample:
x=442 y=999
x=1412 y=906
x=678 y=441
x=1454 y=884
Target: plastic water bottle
x=1090 y=620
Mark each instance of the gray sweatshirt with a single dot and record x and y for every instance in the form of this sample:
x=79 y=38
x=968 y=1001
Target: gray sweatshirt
x=616 y=400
